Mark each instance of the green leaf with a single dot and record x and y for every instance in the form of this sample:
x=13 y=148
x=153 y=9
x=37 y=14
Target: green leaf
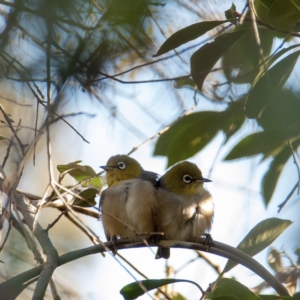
x=226 y=287
x=240 y=63
x=89 y=195
x=192 y=133
x=268 y=84
x=184 y=82
x=139 y=288
x=203 y=60
x=226 y=298
x=178 y=296
x=230 y=14
x=268 y=3
x=188 y=136
x=2 y=137
x=272 y=297
x=81 y=173
x=257 y=143
x=187 y=34
x=260 y=237
x=296 y=296
x=272 y=175
x=282 y=115
x=283 y=15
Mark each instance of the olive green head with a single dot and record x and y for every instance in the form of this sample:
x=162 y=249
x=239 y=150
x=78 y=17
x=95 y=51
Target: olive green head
x=121 y=167
x=184 y=178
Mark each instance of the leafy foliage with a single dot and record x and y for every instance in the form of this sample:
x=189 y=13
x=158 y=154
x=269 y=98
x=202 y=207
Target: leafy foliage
x=260 y=237
x=136 y=289
x=269 y=101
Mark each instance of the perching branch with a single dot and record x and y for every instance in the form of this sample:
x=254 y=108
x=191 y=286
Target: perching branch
x=8 y=288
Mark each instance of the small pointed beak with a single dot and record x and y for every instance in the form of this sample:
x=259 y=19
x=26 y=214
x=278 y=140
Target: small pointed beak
x=204 y=180
x=106 y=168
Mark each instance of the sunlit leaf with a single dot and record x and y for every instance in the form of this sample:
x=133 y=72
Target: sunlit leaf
x=203 y=60
x=89 y=196
x=260 y=237
x=188 y=136
x=266 y=87
x=187 y=34
x=81 y=173
x=192 y=133
x=226 y=287
x=139 y=288
x=257 y=143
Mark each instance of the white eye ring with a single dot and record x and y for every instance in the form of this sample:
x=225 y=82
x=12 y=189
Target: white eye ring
x=121 y=165
x=187 y=178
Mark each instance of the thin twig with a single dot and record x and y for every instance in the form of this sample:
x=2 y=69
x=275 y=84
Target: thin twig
x=296 y=163
x=166 y=128
x=9 y=123
x=11 y=141
x=281 y=206
x=55 y=221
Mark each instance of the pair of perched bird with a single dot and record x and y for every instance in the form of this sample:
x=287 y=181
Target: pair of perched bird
x=138 y=201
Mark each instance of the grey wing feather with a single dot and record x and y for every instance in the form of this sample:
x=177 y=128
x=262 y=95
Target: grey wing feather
x=150 y=176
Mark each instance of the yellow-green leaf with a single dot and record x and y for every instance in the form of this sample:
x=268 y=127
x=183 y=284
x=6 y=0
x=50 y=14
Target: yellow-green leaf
x=187 y=34
x=260 y=237
x=203 y=60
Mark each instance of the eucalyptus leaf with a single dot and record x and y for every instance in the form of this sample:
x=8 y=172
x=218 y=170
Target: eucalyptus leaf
x=139 y=288
x=187 y=34
x=284 y=15
x=188 y=136
x=203 y=60
x=232 y=289
x=257 y=143
x=260 y=237
x=81 y=173
x=89 y=196
x=271 y=177
x=263 y=91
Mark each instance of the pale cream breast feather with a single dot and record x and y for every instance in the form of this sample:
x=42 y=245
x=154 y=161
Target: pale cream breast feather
x=134 y=203
x=141 y=205
x=181 y=217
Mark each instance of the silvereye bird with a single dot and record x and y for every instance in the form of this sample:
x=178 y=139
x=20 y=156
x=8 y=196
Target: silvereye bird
x=185 y=208
x=129 y=203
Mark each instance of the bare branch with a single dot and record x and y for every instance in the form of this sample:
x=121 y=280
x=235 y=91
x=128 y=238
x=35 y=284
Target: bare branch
x=217 y=248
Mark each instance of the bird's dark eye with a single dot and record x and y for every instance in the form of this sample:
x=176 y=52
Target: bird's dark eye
x=121 y=165
x=187 y=178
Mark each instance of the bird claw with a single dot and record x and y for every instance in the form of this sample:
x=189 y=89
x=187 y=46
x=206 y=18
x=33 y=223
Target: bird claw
x=155 y=237
x=208 y=241
x=114 y=246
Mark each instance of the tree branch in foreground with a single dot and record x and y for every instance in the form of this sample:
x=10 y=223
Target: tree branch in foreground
x=11 y=288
